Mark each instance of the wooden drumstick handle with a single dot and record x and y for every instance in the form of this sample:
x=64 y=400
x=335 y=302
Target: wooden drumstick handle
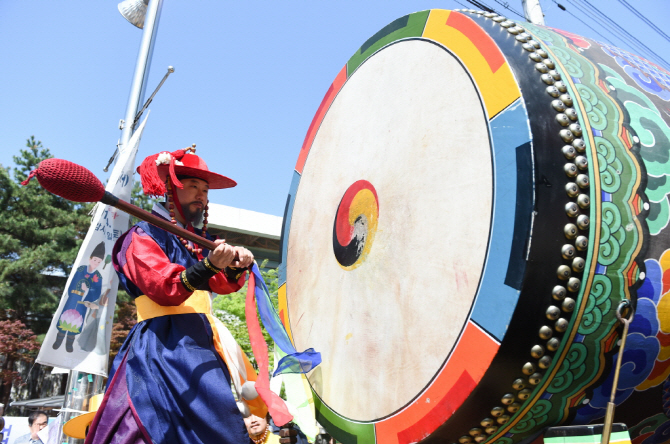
x=112 y=200
x=74 y=182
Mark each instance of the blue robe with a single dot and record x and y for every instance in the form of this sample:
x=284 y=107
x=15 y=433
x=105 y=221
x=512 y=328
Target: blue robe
x=75 y=295
x=168 y=384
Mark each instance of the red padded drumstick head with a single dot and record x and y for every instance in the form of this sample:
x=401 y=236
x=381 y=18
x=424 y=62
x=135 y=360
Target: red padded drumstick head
x=68 y=180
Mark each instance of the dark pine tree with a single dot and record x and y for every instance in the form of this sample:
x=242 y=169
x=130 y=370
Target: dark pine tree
x=40 y=235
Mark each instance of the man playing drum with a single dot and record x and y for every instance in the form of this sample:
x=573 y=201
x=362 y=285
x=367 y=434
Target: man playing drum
x=171 y=380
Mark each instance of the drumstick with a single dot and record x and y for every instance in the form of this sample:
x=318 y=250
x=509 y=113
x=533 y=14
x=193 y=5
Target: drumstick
x=74 y=182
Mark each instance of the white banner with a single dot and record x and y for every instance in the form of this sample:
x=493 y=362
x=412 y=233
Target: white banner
x=81 y=329
x=299 y=398
x=17 y=427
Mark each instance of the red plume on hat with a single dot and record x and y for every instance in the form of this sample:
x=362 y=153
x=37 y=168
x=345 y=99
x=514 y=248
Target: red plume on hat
x=154 y=171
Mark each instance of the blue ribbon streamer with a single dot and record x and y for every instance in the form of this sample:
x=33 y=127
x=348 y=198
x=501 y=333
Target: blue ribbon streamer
x=294 y=361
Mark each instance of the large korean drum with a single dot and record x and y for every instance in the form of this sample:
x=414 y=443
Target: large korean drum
x=473 y=201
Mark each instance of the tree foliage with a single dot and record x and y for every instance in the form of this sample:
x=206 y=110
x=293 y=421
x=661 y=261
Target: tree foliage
x=17 y=343
x=138 y=198
x=40 y=235
x=125 y=319
x=125 y=316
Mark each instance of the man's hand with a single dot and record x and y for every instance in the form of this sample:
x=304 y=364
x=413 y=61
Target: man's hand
x=104 y=299
x=91 y=305
x=244 y=258
x=288 y=435
x=224 y=254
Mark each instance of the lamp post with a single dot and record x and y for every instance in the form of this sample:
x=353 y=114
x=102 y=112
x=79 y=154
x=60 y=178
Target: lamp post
x=533 y=11
x=144 y=14
x=132 y=10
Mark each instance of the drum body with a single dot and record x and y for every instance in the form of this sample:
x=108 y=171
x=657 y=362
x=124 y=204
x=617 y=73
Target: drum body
x=473 y=200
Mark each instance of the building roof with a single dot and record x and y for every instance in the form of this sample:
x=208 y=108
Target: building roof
x=243 y=221
x=52 y=402
x=256 y=231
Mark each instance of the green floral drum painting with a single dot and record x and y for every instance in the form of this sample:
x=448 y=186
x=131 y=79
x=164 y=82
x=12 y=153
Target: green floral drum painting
x=473 y=201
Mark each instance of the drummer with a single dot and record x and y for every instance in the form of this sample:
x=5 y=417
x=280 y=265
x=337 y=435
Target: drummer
x=171 y=381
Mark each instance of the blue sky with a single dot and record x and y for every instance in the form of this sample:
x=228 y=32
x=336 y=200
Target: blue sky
x=249 y=76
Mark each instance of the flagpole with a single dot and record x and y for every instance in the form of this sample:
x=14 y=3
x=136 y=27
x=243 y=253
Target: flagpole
x=139 y=85
x=79 y=389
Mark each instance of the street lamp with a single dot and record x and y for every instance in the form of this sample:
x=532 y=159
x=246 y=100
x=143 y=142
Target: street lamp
x=134 y=11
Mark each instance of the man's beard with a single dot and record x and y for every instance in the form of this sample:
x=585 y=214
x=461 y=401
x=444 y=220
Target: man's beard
x=192 y=217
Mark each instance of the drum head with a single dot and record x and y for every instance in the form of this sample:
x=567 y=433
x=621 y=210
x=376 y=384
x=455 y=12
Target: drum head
x=396 y=308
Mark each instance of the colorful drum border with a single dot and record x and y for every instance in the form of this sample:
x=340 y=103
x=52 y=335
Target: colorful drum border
x=494 y=303
x=601 y=197
x=579 y=322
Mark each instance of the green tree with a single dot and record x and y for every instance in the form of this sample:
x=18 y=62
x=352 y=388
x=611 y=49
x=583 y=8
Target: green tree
x=17 y=343
x=125 y=318
x=139 y=199
x=40 y=235
x=229 y=308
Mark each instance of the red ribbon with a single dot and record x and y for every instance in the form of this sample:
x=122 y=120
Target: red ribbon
x=276 y=405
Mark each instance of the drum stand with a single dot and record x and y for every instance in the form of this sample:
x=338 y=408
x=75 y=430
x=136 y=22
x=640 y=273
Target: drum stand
x=590 y=433
x=609 y=415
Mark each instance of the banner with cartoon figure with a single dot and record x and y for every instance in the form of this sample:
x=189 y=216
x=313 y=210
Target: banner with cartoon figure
x=80 y=331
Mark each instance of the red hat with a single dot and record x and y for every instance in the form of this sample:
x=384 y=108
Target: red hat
x=154 y=171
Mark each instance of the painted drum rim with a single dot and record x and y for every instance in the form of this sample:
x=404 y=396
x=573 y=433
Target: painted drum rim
x=325 y=104
x=541 y=58
x=565 y=301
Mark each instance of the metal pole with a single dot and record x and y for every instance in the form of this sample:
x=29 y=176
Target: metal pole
x=609 y=414
x=80 y=388
x=170 y=70
x=142 y=67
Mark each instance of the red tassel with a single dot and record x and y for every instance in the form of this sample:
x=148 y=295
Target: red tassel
x=152 y=185
x=176 y=155
x=30 y=176
x=179 y=153
x=173 y=176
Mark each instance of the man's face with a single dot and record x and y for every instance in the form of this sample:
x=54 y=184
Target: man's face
x=38 y=424
x=93 y=262
x=255 y=425
x=193 y=199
